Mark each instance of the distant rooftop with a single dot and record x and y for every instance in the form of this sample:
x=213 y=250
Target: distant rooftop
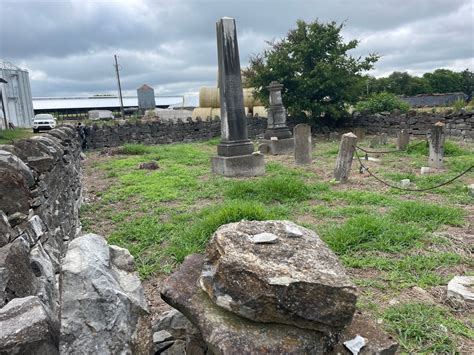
x=92 y=102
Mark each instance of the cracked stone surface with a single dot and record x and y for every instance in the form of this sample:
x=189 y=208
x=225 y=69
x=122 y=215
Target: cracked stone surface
x=295 y=279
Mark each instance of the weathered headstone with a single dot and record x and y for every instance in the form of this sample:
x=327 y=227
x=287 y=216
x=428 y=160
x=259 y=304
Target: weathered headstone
x=345 y=156
x=235 y=156
x=374 y=141
x=383 y=138
x=360 y=133
x=277 y=136
x=403 y=138
x=302 y=134
x=436 y=141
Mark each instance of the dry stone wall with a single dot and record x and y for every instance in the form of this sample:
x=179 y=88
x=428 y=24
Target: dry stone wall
x=459 y=125
x=43 y=275
x=162 y=132
x=40 y=196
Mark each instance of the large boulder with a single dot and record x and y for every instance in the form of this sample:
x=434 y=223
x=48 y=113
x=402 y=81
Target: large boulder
x=103 y=309
x=278 y=272
x=28 y=328
x=227 y=333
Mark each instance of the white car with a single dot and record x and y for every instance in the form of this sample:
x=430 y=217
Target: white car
x=43 y=122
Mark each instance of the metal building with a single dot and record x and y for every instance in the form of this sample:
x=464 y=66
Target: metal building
x=16 y=104
x=146 y=97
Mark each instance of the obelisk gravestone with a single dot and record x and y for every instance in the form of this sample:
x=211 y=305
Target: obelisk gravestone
x=235 y=156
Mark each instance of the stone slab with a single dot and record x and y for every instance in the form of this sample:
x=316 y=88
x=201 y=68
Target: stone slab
x=280 y=146
x=462 y=289
x=225 y=332
x=241 y=165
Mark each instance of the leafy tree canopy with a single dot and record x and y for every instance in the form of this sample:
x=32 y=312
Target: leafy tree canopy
x=313 y=64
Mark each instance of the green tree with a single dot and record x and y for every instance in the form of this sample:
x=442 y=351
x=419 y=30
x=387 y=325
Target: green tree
x=467 y=82
x=380 y=102
x=313 y=64
x=443 y=80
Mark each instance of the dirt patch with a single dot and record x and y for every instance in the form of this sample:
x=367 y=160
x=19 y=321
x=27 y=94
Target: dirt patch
x=156 y=305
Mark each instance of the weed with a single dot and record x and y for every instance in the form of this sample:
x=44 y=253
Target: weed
x=423 y=328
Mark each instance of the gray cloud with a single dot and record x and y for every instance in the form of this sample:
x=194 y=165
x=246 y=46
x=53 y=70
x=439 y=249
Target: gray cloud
x=68 y=46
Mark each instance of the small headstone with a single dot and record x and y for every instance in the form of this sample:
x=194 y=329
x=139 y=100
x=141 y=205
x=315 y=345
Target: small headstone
x=403 y=138
x=436 y=142
x=375 y=141
x=344 y=157
x=360 y=133
x=384 y=138
x=302 y=134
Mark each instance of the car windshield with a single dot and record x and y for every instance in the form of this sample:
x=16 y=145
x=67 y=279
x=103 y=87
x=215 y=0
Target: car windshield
x=44 y=117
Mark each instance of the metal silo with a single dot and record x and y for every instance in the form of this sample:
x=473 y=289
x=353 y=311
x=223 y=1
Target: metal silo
x=15 y=92
x=146 y=97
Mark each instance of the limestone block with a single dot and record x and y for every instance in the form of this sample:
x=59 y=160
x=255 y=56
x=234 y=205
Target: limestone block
x=227 y=333
x=28 y=328
x=103 y=303
x=289 y=280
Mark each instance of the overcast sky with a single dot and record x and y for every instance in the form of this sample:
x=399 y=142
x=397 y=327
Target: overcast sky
x=68 y=46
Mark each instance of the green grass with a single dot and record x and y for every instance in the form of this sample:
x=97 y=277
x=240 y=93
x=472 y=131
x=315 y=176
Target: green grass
x=408 y=271
x=268 y=189
x=423 y=328
x=428 y=215
x=161 y=245
x=8 y=136
x=372 y=233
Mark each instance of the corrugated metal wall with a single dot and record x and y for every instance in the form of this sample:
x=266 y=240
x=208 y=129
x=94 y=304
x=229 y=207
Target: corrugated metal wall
x=17 y=97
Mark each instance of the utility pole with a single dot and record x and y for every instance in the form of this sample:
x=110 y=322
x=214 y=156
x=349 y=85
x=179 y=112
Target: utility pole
x=119 y=86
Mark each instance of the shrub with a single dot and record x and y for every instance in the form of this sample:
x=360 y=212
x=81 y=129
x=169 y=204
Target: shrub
x=381 y=102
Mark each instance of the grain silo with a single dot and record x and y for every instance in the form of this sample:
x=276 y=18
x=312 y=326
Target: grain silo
x=15 y=96
x=146 y=98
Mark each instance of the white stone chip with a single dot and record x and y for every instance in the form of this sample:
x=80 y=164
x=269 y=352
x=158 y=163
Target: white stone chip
x=462 y=288
x=405 y=183
x=471 y=189
x=282 y=280
x=274 y=138
x=354 y=345
x=425 y=170
x=374 y=159
x=264 y=238
x=161 y=336
x=293 y=232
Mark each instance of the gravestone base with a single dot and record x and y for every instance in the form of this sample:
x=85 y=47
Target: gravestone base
x=280 y=146
x=240 y=165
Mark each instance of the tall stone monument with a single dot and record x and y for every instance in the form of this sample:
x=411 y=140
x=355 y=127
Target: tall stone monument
x=278 y=137
x=235 y=155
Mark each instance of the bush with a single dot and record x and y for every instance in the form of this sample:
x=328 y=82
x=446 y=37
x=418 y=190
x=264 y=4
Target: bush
x=459 y=104
x=381 y=102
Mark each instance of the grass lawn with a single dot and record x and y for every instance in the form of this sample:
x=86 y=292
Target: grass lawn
x=7 y=136
x=400 y=248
